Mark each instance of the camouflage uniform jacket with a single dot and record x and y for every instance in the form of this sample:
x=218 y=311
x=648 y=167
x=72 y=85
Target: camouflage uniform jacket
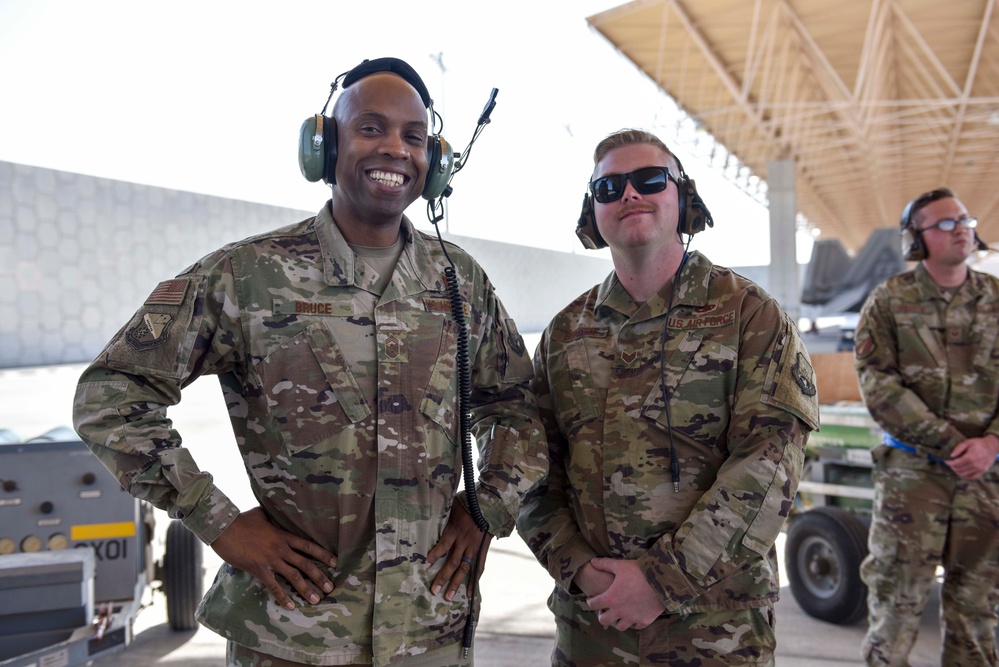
x=373 y=483
x=928 y=367
x=742 y=402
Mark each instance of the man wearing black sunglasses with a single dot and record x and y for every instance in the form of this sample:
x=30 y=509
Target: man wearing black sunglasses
x=677 y=398
x=927 y=356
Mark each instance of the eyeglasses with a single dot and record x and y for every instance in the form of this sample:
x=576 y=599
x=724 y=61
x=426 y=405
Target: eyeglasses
x=647 y=180
x=948 y=225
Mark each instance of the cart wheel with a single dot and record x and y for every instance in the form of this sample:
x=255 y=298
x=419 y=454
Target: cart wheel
x=183 y=577
x=824 y=549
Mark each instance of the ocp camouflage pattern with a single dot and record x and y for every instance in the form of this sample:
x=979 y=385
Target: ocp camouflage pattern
x=712 y=639
x=928 y=366
x=287 y=323
x=742 y=400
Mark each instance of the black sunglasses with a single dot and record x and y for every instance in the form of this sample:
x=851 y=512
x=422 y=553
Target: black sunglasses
x=647 y=180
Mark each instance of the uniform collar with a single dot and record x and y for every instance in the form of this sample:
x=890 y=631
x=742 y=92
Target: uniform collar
x=692 y=291
x=971 y=288
x=340 y=266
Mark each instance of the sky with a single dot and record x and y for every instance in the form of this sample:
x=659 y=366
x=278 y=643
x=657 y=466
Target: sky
x=208 y=96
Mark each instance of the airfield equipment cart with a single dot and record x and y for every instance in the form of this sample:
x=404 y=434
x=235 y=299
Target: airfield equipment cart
x=76 y=556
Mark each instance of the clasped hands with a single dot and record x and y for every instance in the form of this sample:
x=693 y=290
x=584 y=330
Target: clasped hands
x=972 y=458
x=617 y=590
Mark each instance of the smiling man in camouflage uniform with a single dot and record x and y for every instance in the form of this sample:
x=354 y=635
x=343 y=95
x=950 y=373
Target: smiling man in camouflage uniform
x=335 y=347
x=659 y=517
x=927 y=355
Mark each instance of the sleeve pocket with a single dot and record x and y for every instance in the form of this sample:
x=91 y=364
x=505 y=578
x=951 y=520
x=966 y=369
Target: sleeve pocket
x=709 y=537
x=776 y=507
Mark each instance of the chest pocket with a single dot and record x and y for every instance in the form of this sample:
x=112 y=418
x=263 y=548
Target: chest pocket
x=987 y=332
x=700 y=375
x=572 y=392
x=676 y=367
x=921 y=348
x=310 y=391
x=440 y=398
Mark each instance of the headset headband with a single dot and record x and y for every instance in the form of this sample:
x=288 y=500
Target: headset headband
x=394 y=65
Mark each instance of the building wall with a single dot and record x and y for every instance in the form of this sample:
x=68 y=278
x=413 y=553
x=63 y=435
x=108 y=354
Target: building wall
x=79 y=254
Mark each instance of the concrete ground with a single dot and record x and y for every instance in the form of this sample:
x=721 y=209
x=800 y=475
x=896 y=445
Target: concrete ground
x=515 y=630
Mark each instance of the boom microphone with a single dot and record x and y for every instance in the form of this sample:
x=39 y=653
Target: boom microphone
x=488 y=109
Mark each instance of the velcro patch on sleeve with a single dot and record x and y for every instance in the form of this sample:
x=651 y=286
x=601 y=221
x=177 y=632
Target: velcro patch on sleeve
x=168 y=293
x=150 y=332
x=865 y=344
x=791 y=382
x=159 y=338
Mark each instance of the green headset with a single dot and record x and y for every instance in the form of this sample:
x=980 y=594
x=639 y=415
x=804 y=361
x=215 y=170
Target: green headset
x=694 y=214
x=317 y=138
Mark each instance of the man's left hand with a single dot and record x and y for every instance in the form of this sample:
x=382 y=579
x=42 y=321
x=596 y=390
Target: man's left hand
x=459 y=543
x=629 y=602
x=973 y=457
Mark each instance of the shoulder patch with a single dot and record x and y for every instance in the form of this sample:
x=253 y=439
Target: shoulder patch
x=168 y=293
x=804 y=375
x=150 y=332
x=864 y=344
x=515 y=339
x=790 y=383
x=155 y=341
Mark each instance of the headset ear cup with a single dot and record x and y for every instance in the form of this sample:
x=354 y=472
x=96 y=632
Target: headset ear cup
x=913 y=249
x=440 y=164
x=329 y=135
x=586 y=226
x=311 y=148
x=694 y=214
x=317 y=149
x=980 y=244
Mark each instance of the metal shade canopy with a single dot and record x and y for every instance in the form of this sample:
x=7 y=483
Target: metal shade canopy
x=875 y=101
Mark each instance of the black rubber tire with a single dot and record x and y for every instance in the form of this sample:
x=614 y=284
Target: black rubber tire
x=825 y=547
x=183 y=577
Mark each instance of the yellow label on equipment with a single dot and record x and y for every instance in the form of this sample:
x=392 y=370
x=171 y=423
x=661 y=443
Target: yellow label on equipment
x=102 y=531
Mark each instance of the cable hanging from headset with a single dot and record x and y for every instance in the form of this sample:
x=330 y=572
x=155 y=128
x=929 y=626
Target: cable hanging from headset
x=674 y=463
x=465 y=435
x=435 y=212
x=458 y=313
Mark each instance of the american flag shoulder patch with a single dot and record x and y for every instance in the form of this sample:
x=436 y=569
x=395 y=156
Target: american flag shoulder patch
x=168 y=293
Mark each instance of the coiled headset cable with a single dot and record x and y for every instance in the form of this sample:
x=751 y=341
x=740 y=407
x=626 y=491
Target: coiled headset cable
x=435 y=213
